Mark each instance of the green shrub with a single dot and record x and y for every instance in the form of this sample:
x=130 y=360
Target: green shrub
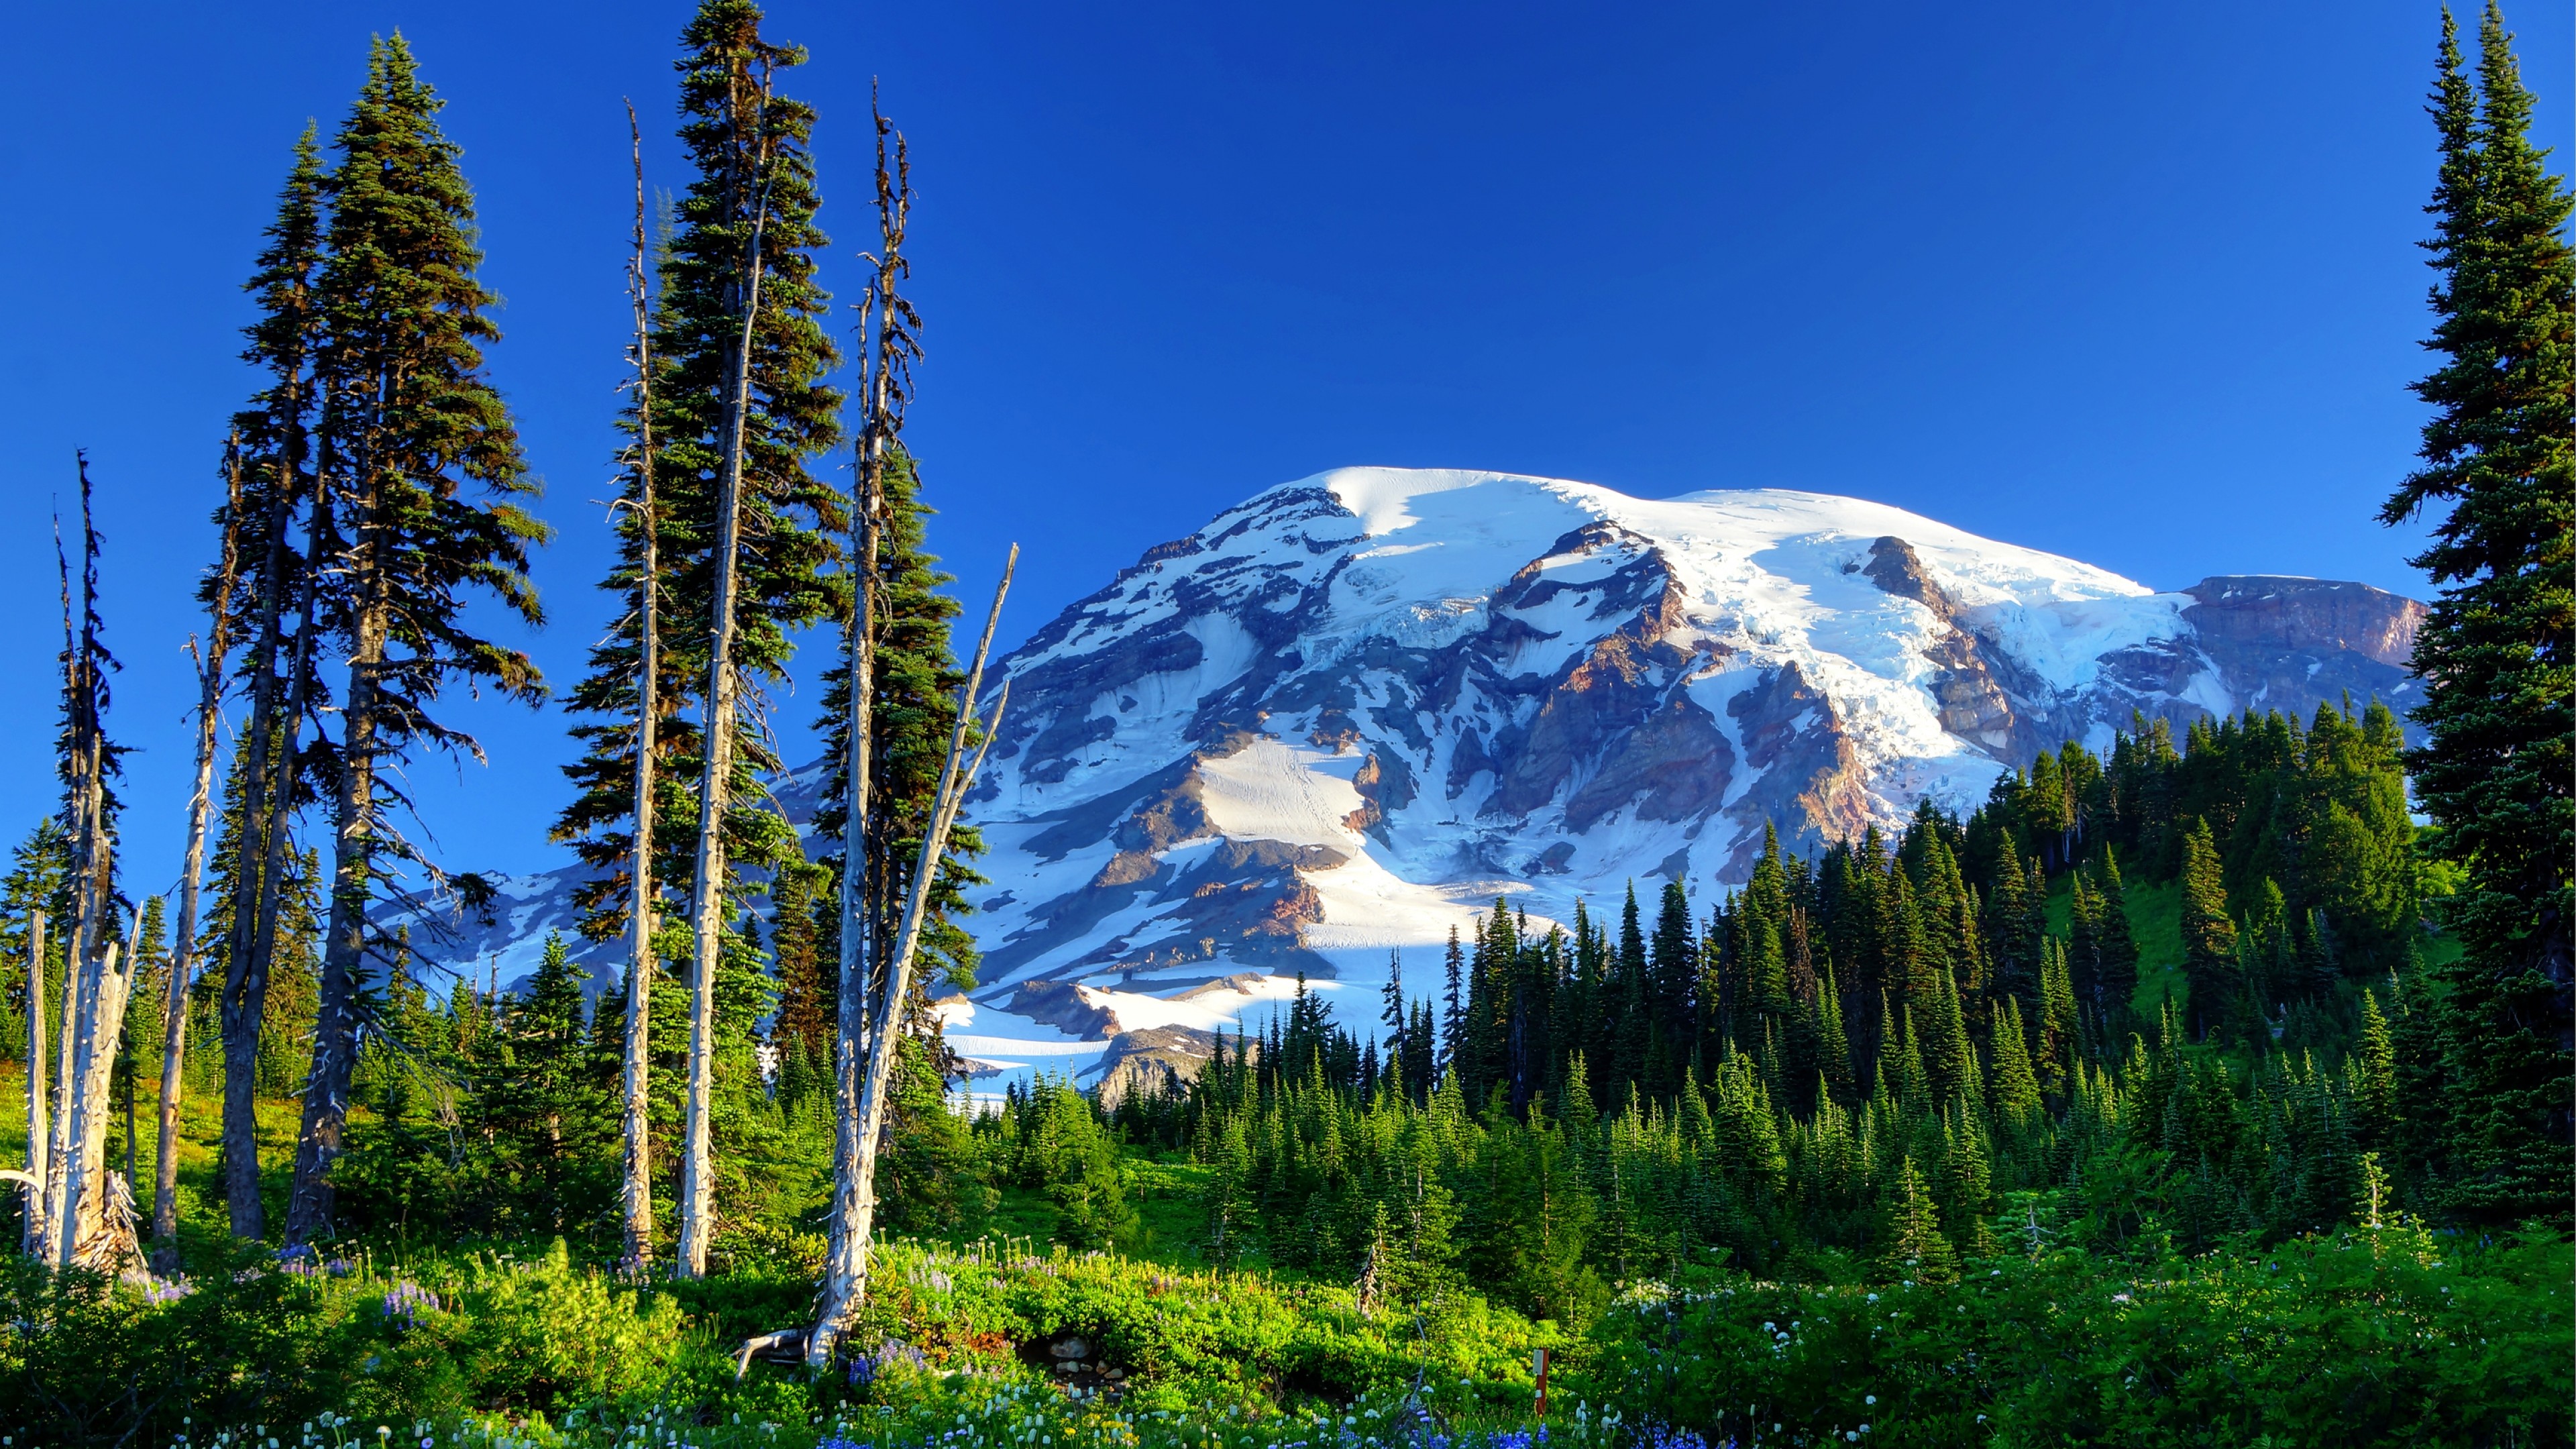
x=2388 y=1337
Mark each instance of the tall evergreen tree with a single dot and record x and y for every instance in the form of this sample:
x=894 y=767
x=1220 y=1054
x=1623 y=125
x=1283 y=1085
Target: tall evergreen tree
x=409 y=422
x=2496 y=773
x=748 y=529
x=2208 y=935
x=272 y=773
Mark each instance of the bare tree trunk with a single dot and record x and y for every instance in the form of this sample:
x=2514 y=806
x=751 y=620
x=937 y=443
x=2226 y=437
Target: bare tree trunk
x=241 y=1050
x=32 y=1239
x=707 y=906
x=353 y=843
x=854 y=1199
x=243 y=1002
x=888 y=351
x=851 y=1007
x=90 y=877
x=635 y=1199
x=174 y=1020
x=92 y=1047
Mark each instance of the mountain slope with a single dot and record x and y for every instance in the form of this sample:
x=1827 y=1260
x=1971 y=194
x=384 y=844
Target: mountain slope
x=1352 y=709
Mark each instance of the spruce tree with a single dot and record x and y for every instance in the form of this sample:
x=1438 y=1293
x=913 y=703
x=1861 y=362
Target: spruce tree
x=410 y=422
x=2496 y=772
x=2015 y=1089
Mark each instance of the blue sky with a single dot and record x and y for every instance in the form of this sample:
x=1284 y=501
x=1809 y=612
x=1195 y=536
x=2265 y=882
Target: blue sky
x=2134 y=284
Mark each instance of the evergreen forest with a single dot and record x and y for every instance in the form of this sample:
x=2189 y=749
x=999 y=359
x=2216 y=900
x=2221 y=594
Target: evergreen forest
x=2211 y=1087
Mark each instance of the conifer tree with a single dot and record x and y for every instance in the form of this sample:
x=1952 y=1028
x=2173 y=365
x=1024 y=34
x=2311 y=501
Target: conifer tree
x=2016 y=1087
x=1914 y=1247
x=410 y=421
x=1453 y=1009
x=2208 y=935
x=271 y=775
x=743 y=531
x=2116 y=978
x=2496 y=773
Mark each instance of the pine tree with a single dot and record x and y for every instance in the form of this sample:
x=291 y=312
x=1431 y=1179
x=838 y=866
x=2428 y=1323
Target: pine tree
x=2373 y=1067
x=1453 y=1005
x=410 y=421
x=913 y=678
x=2496 y=774
x=2117 y=978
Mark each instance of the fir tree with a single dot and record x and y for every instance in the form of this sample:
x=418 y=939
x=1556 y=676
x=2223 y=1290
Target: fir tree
x=410 y=422
x=1914 y=1247
x=748 y=531
x=271 y=777
x=2496 y=773
x=2208 y=936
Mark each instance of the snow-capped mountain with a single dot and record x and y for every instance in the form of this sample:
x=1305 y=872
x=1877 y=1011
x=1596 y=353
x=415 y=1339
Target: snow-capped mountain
x=1355 y=708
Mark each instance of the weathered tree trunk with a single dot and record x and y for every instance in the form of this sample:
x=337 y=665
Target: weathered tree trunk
x=32 y=1238
x=635 y=1198
x=243 y=1001
x=854 y=1201
x=174 y=1020
x=90 y=874
x=353 y=845
x=883 y=403
x=851 y=1008
x=92 y=1047
x=241 y=1047
x=707 y=906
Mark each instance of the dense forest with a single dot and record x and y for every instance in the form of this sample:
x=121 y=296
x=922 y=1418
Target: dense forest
x=2089 y=1064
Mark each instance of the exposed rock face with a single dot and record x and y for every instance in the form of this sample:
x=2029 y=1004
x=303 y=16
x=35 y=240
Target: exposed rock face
x=1151 y=1059
x=2290 y=643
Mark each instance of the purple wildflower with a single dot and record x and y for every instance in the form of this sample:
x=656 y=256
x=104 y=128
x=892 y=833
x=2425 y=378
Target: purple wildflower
x=404 y=1302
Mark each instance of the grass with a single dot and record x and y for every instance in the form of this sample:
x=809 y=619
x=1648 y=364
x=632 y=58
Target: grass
x=2155 y=923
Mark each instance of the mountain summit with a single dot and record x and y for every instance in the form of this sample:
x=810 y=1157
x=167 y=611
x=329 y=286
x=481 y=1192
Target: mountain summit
x=1346 y=710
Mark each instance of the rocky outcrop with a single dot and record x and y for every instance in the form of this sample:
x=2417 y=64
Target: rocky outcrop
x=2293 y=643
x=1154 y=1059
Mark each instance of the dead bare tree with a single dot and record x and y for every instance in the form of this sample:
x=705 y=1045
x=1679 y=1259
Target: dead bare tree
x=861 y=1103
x=889 y=331
x=635 y=1197
x=174 y=1020
x=31 y=1232
x=97 y=976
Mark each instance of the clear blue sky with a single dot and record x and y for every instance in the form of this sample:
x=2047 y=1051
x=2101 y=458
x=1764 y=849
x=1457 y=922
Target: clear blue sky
x=2135 y=284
